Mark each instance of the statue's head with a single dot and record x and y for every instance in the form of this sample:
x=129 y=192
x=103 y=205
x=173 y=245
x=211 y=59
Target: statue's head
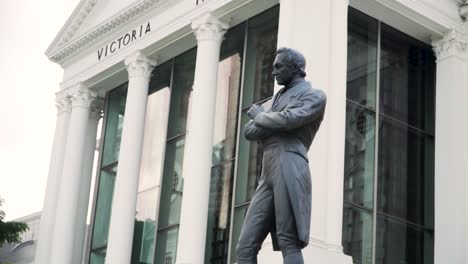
x=289 y=65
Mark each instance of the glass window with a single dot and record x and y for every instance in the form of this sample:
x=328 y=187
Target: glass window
x=407 y=80
x=400 y=242
x=113 y=131
x=260 y=54
x=362 y=59
x=104 y=206
x=406 y=169
x=395 y=186
x=114 y=122
x=184 y=69
x=357 y=233
x=359 y=152
x=172 y=181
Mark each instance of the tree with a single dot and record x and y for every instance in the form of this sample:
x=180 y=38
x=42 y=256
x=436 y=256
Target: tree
x=10 y=231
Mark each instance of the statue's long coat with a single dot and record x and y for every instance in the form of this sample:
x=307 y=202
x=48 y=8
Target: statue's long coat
x=291 y=119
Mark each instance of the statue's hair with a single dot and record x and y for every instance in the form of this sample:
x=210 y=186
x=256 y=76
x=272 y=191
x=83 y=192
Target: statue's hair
x=294 y=59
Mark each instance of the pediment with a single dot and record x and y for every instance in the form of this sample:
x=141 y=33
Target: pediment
x=90 y=20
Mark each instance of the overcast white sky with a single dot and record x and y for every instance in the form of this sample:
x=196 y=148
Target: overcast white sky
x=28 y=82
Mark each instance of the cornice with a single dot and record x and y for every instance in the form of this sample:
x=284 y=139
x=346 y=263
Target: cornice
x=453 y=43
x=424 y=14
x=101 y=33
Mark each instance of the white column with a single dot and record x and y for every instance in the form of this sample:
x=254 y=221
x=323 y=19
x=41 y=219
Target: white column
x=64 y=242
x=87 y=173
x=451 y=214
x=318 y=29
x=48 y=213
x=119 y=249
x=198 y=142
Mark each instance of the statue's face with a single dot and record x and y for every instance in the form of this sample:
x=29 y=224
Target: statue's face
x=282 y=71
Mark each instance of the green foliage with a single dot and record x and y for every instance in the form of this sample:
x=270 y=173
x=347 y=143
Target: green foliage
x=10 y=231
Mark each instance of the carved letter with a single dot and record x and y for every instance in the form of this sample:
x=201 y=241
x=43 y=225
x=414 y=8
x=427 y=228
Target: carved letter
x=148 y=28
x=99 y=53
x=112 y=50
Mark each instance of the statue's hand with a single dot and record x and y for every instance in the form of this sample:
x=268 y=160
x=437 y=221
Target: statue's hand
x=254 y=110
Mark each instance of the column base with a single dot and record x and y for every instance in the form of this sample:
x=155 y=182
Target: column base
x=316 y=252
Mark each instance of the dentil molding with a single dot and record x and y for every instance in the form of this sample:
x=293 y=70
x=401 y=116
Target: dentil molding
x=209 y=27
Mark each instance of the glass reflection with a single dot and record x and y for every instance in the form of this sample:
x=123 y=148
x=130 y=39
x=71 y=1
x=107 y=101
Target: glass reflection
x=219 y=213
x=362 y=59
x=224 y=134
x=260 y=54
x=103 y=206
x=114 y=124
x=398 y=242
x=166 y=250
x=357 y=234
x=406 y=173
x=407 y=80
x=171 y=189
x=184 y=71
x=249 y=168
x=359 y=156
x=238 y=221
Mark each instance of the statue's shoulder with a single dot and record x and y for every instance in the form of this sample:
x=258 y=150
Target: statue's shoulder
x=310 y=90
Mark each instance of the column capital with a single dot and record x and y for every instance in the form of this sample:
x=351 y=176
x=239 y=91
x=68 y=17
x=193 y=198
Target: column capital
x=209 y=27
x=139 y=65
x=62 y=101
x=81 y=96
x=453 y=43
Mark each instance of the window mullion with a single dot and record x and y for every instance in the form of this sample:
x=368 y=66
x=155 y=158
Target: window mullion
x=376 y=144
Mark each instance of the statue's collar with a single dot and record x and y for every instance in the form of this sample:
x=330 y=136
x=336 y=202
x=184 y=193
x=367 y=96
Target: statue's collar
x=294 y=83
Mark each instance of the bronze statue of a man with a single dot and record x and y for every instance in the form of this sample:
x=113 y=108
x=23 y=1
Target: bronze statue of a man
x=286 y=126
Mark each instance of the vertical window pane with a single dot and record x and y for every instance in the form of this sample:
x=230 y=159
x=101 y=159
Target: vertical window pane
x=184 y=69
x=398 y=242
x=359 y=156
x=166 y=249
x=114 y=122
x=172 y=182
x=227 y=95
x=171 y=189
x=98 y=257
x=357 y=234
x=261 y=48
x=362 y=59
x=249 y=166
x=406 y=173
x=238 y=221
x=407 y=80
x=219 y=214
x=103 y=206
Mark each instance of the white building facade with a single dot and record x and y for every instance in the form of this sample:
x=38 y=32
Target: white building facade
x=171 y=81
